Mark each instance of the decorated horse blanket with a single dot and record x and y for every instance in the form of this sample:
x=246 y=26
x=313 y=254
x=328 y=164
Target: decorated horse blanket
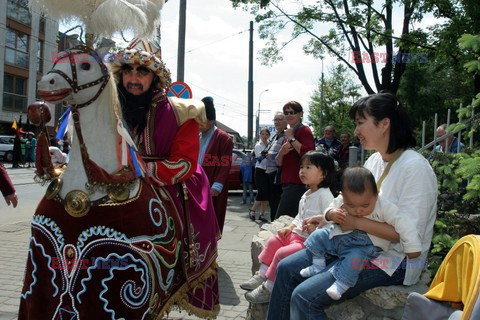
x=128 y=260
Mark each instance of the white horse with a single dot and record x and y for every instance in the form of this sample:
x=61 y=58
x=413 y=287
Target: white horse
x=96 y=253
x=76 y=78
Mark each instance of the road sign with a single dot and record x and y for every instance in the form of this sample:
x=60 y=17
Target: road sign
x=180 y=89
x=270 y=128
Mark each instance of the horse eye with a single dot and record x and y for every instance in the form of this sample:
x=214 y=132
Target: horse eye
x=85 y=66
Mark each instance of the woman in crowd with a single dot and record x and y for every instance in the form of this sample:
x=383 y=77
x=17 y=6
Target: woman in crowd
x=298 y=140
x=403 y=177
x=261 y=178
x=273 y=170
x=30 y=149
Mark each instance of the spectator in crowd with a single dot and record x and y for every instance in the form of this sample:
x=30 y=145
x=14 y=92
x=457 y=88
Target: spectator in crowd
x=343 y=150
x=23 y=146
x=328 y=143
x=342 y=155
x=215 y=158
x=66 y=144
x=298 y=140
x=58 y=157
x=7 y=188
x=454 y=145
x=262 y=181
x=17 y=148
x=53 y=140
x=246 y=171
x=405 y=178
x=273 y=170
x=30 y=149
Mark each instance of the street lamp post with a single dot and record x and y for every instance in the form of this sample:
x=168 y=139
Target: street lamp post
x=258 y=114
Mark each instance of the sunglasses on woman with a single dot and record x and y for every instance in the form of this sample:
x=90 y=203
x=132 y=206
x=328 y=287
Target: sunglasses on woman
x=293 y=112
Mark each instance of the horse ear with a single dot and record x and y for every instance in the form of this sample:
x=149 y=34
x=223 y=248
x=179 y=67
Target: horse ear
x=104 y=46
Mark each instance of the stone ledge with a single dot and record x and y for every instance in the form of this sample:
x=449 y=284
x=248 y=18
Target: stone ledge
x=382 y=303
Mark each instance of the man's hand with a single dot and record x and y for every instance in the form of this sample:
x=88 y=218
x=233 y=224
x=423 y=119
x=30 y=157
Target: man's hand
x=12 y=199
x=214 y=192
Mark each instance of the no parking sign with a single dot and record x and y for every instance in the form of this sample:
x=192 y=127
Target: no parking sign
x=180 y=89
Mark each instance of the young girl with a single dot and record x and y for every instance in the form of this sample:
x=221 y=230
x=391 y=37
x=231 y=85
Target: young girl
x=317 y=170
x=261 y=178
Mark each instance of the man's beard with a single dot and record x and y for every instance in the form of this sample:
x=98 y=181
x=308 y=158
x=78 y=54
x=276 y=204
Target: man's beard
x=135 y=107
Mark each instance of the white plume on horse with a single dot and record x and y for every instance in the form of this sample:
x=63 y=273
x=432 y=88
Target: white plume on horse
x=105 y=17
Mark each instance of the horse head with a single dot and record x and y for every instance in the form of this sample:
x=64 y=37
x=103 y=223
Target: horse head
x=80 y=79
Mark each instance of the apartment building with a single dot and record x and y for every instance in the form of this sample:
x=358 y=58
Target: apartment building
x=26 y=42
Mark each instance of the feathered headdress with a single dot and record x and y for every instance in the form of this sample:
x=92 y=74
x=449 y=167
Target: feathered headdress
x=145 y=53
x=105 y=17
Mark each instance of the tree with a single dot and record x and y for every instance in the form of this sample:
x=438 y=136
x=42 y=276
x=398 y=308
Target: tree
x=434 y=87
x=442 y=83
x=339 y=93
x=361 y=37
x=458 y=17
x=459 y=201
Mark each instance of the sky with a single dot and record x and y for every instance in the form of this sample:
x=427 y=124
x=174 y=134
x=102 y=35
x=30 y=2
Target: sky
x=216 y=61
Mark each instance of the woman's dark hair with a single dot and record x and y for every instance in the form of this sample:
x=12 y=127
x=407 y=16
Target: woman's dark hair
x=294 y=105
x=325 y=162
x=386 y=105
x=357 y=180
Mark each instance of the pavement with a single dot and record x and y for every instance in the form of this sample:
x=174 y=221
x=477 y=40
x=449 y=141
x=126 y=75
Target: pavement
x=233 y=252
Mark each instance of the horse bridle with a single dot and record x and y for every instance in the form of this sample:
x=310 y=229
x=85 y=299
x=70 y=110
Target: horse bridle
x=73 y=82
x=97 y=177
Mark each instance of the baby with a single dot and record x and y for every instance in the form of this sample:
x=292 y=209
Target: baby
x=359 y=198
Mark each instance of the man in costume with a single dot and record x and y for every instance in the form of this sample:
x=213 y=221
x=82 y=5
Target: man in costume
x=143 y=245
x=166 y=133
x=215 y=157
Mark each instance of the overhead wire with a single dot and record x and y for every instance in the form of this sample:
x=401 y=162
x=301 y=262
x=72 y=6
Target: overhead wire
x=210 y=43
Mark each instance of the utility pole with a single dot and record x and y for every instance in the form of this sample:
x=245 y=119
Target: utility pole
x=320 y=120
x=181 y=41
x=250 y=88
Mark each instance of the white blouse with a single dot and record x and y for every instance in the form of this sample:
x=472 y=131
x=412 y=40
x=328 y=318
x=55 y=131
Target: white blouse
x=411 y=184
x=259 y=147
x=311 y=205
